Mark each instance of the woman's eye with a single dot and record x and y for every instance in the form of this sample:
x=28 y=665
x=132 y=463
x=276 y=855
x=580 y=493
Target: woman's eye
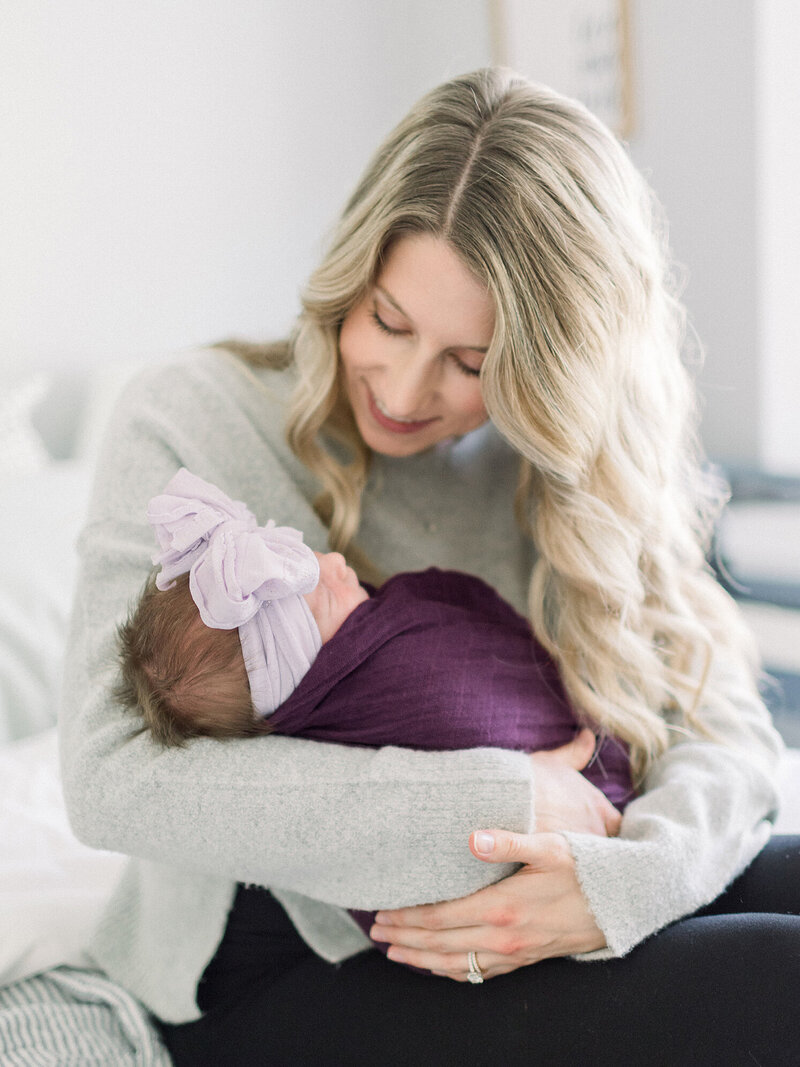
x=393 y=331
x=384 y=326
x=465 y=368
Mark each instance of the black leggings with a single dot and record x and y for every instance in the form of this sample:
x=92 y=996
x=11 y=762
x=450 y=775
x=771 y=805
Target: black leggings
x=721 y=987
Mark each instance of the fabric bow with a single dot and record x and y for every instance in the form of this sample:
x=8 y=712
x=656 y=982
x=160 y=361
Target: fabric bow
x=234 y=565
x=241 y=575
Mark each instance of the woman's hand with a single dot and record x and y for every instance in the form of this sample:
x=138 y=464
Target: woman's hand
x=536 y=913
x=565 y=800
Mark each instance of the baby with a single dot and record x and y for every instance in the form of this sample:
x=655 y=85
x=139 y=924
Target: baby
x=245 y=630
x=233 y=621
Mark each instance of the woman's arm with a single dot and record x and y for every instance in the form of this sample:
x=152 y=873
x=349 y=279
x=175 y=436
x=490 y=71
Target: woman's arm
x=351 y=826
x=702 y=818
x=705 y=813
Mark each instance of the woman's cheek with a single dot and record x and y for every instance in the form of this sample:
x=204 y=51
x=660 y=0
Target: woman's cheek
x=356 y=341
x=473 y=405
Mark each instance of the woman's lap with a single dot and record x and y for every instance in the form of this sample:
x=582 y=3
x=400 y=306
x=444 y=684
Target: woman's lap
x=770 y=883
x=712 y=989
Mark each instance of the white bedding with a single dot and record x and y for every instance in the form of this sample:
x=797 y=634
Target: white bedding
x=52 y=888
x=41 y=515
x=54 y=1010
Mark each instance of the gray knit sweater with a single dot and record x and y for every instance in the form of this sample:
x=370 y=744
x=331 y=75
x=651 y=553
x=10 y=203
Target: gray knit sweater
x=328 y=827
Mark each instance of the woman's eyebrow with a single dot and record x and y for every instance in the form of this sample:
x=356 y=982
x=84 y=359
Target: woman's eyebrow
x=396 y=306
x=392 y=301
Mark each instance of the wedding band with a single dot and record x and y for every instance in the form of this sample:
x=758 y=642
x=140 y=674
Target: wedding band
x=475 y=974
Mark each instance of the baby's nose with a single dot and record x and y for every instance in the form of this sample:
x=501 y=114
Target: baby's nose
x=339 y=563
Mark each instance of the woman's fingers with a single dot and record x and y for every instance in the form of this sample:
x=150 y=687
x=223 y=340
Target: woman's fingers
x=564 y=799
x=502 y=846
x=577 y=752
x=453 y=965
x=536 y=913
x=612 y=819
x=446 y=915
x=433 y=942
x=541 y=852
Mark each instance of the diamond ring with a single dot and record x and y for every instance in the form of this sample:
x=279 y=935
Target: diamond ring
x=475 y=974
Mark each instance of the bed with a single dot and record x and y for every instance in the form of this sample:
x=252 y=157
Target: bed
x=54 y=1007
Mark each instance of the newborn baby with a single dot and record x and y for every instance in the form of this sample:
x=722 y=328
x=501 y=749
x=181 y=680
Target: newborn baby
x=245 y=630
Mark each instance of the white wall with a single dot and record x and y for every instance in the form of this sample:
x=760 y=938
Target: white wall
x=778 y=151
x=719 y=92
x=695 y=75
x=169 y=169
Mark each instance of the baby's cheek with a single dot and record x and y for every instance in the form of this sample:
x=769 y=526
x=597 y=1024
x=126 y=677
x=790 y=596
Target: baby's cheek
x=344 y=608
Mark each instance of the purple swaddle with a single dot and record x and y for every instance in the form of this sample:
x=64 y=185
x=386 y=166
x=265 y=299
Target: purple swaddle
x=438 y=660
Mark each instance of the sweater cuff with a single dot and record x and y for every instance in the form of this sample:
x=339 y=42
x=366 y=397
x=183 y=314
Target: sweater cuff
x=634 y=888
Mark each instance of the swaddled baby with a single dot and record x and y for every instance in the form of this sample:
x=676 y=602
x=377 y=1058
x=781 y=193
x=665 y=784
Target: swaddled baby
x=246 y=630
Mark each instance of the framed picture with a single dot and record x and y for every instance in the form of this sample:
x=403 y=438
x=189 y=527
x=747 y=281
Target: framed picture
x=580 y=47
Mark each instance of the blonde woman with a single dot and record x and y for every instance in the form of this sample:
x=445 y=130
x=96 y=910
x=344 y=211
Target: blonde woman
x=486 y=376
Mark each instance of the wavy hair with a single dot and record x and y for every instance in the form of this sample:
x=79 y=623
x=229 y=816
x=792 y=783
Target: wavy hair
x=583 y=377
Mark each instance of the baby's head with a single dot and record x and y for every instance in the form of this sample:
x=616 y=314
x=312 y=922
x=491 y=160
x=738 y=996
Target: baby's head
x=224 y=633
x=184 y=678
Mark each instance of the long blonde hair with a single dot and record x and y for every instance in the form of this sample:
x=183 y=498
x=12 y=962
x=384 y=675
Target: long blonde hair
x=583 y=377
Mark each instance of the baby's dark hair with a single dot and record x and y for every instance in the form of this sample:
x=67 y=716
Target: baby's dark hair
x=184 y=678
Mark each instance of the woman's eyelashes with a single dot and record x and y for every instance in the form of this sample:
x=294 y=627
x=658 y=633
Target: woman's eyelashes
x=465 y=368
x=385 y=327
x=393 y=331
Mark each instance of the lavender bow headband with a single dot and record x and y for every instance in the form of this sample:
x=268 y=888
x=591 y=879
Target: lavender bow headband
x=241 y=575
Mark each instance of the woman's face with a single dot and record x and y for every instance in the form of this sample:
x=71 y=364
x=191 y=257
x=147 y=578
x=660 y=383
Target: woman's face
x=411 y=351
x=335 y=595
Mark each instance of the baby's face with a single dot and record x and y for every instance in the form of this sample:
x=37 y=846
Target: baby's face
x=336 y=594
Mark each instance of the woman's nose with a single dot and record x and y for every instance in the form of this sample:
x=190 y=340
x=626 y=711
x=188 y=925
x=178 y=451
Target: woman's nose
x=410 y=383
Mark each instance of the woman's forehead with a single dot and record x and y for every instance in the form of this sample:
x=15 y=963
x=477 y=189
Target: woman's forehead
x=423 y=278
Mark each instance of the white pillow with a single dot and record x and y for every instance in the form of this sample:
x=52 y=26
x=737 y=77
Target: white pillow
x=40 y=518
x=103 y=387
x=22 y=450
x=53 y=889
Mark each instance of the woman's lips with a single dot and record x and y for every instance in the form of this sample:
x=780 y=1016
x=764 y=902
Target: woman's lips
x=392 y=425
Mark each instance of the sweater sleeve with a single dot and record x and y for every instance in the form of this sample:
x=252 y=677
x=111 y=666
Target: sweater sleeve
x=353 y=826
x=704 y=814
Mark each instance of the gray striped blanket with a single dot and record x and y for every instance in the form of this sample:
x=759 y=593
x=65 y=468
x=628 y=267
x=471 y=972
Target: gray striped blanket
x=72 y=1018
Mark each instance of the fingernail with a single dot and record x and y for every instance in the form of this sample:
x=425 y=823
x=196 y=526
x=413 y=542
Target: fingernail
x=484 y=842
x=377 y=934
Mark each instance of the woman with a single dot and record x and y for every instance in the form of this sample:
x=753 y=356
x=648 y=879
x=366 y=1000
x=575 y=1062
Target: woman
x=486 y=376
